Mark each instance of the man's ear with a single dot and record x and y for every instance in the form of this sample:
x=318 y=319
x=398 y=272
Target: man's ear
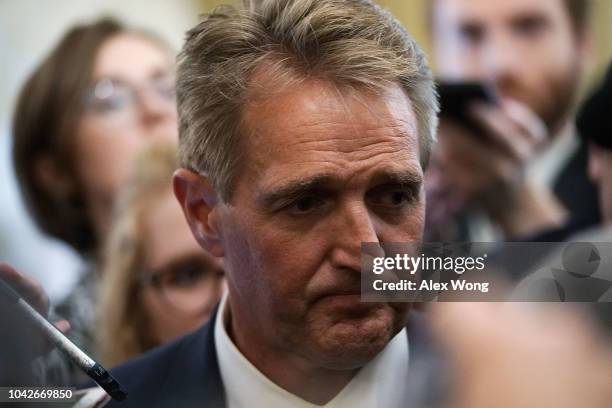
x=199 y=201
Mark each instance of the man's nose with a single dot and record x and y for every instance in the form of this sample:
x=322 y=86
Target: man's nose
x=501 y=59
x=354 y=225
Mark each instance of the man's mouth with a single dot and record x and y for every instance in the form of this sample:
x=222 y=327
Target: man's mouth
x=334 y=292
x=347 y=300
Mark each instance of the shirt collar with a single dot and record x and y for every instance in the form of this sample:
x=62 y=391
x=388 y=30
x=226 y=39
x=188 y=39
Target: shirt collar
x=550 y=162
x=379 y=383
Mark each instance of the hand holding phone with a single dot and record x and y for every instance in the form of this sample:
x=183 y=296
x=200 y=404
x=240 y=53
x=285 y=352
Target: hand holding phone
x=457 y=97
x=485 y=144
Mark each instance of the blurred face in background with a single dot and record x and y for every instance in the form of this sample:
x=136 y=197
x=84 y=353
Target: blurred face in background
x=181 y=283
x=529 y=48
x=129 y=105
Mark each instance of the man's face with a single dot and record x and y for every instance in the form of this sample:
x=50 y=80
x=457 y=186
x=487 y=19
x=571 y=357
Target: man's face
x=325 y=171
x=528 y=48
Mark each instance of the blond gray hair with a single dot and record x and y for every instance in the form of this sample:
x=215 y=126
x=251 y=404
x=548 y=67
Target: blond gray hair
x=123 y=325
x=350 y=43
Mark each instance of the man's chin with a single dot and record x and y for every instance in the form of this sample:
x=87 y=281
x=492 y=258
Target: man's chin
x=352 y=339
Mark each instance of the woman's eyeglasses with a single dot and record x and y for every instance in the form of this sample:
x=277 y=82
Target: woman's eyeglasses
x=118 y=100
x=186 y=284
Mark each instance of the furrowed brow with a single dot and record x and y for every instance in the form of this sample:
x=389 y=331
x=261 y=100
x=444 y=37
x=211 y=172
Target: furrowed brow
x=294 y=189
x=405 y=178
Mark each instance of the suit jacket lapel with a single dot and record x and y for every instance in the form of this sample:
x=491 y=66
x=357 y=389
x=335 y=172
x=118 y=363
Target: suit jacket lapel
x=194 y=379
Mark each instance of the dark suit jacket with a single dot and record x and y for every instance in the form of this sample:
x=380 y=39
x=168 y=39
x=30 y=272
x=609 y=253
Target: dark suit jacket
x=577 y=194
x=185 y=373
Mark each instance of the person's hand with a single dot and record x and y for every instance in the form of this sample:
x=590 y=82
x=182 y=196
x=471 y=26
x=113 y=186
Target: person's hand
x=478 y=163
x=488 y=168
x=31 y=291
x=523 y=355
x=27 y=287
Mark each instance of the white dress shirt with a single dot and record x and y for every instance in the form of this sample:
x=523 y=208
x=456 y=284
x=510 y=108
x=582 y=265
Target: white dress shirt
x=380 y=383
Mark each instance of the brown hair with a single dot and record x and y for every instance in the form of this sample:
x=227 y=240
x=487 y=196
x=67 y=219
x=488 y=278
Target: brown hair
x=48 y=111
x=123 y=330
x=351 y=43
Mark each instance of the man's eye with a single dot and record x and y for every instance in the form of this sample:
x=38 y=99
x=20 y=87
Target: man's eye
x=395 y=199
x=305 y=205
x=530 y=26
x=472 y=34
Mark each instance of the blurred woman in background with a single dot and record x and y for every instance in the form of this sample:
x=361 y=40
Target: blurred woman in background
x=101 y=95
x=157 y=282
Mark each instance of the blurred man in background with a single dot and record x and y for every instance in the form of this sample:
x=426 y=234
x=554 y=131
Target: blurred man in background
x=524 y=171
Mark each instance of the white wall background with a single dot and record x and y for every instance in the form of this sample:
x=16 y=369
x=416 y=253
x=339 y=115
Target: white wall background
x=28 y=30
